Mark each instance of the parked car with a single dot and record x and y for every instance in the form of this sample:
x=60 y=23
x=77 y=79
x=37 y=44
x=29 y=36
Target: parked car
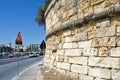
x=11 y=55
x=33 y=55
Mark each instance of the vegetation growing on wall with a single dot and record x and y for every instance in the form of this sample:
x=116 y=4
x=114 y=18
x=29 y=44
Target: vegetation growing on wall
x=41 y=11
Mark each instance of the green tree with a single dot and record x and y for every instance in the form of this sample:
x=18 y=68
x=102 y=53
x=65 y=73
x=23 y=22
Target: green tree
x=41 y=11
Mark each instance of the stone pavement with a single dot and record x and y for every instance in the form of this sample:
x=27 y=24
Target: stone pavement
x=32 y=73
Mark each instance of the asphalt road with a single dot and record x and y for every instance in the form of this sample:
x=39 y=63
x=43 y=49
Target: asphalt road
x=9 y=69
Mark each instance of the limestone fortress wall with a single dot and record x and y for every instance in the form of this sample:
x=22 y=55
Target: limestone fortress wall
x=83 y=38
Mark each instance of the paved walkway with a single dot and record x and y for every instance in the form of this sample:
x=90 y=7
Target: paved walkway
x=32 y=73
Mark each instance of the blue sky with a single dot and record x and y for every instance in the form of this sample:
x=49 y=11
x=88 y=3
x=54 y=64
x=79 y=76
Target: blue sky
x=19 y=15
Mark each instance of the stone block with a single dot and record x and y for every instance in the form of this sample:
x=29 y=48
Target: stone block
x=94 y=2
x=63 y=65
x=118 y=30
x=99 y=7
x=105 y=23
x=115 y=52
x=116 y=74
x=104 y=42
x=74 y=31
x=109 y=3
x=74 y=52
x=103 y=51
x=90 y=51
x=115 y=21
x=67 y=33
x=105 y=62
x=60 y=52
x=67 y=45
x=79 y=69
x=80 y=37
x=85 y=77
x=105 y=32
x=85 y=44
x=69 y=52
x=99 y=72
x=52 y=56
x=68 y=39
x=96 y=42
x=109 y=41
x=65 y=59
x=78 y=60
x=118 y=41
x=61 y=59
x=74 y=45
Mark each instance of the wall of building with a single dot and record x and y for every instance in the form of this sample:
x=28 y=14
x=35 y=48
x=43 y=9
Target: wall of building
x=83 y=38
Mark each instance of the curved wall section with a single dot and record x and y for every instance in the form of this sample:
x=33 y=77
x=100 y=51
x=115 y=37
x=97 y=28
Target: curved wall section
x=83 y=38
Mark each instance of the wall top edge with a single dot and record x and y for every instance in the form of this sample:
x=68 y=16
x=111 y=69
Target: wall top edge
x=49 y=7
x=111 y=12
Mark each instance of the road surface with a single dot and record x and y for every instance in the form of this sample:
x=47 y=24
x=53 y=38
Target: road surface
x=9 y=69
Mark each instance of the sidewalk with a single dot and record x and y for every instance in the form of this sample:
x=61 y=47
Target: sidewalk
x=32 y=73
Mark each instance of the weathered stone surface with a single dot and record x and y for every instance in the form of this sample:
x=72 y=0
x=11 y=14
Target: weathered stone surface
x=74 y=52
x=79 y=69
x=69 y=52
x=85 y=77
x=80 y=37
x=90 y=51
x=60 y=52
x=99 y=72
x=94 y=2
x=67 y=33
x=105 y=23
x=85 y=44
x=67 y=45
x=104 y=32
x=78 y=60
x=63 y=65
x=98 y=8
x=103 y=51
x=66 y=59
x=116 y=21
x=115 y=52
x=118 y=41
x=104 y=42
x=74 y=31
x=118 y=30
x=75 y=45
x=59 y=58
x=116 y=74
x=68 y=39
x=109 y=3
x=52 y=56
x=105 y=62
x=91 y=48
